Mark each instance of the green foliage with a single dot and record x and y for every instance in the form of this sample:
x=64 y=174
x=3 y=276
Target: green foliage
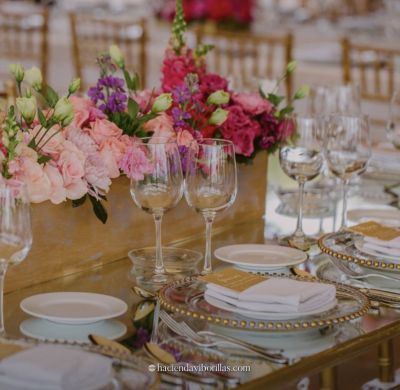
x=99 y=209
x=50 y=95
x=178 y=28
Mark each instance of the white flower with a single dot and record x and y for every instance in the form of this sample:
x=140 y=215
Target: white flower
x=27 y=108
x=18 y=71
x=117 y=56
x=33 y=76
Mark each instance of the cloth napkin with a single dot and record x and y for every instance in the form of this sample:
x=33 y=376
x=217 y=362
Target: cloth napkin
x=51 y=367
x=277 y=295
x=391 y=247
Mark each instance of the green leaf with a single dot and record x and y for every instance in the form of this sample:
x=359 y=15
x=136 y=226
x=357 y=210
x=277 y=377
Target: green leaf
x=285 y=111
x=128 y=80
x=42 y=118
x=99 y=210
x=43 y=159
x=147 y=117
x=79 y=202
x=32 y=144
x=50 y=95
x=133 y=108
x=275 y=99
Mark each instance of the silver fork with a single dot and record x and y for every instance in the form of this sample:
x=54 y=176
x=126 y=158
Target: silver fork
x=201 y=339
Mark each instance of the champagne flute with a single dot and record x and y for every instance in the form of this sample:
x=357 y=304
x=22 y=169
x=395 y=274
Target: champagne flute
x=159 y=189
x=211 y=183
x=301 y=159
x=393 y=125
x=15 y=232
x=347 y=150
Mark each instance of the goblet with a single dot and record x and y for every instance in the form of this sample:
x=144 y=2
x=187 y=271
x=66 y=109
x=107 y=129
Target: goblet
x=347 y=150
x=211 y=183
x=15 y=232
x=393 y=125
x=159 y=189
x=301 y=158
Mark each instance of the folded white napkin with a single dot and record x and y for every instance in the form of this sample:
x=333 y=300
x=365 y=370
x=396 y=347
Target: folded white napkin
x=51 y=367
x=392 y=244
x=277 y=295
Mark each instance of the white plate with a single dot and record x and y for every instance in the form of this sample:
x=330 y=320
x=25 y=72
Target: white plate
x=258 y=315
x=359 y=244
x=73 y=307
x=390 y=217
x=47 y=330
x=260 y=256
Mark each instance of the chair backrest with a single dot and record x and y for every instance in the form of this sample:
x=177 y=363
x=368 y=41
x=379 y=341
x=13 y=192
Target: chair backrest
x=7 y=95
x=24 y=37
x=372 y=67
x=92 y=35
x=248 y=56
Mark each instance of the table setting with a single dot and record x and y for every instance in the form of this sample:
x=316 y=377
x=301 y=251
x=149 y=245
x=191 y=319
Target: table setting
x=218 y=295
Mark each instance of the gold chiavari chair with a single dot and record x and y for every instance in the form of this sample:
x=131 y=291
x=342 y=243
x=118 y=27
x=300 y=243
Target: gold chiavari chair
x=248 y=56
x=372 y=67
x=24 y=37
x=92 y=35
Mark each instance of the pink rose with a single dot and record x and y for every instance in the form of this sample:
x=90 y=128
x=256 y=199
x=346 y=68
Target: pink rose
x=241 y=129
x=84 y=111
x=111 y=152
x=252 y=103
x=145 y=99
x=71 y=164
x=184 y=138
x=38 y=184
x=58 y=194
x=101 y=129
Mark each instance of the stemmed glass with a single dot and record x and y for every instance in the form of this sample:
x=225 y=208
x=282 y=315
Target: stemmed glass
x=393 y=125
x=347 y=150
x=211 y=183
x=301 y=158
x=15 y=232
x=159 y=190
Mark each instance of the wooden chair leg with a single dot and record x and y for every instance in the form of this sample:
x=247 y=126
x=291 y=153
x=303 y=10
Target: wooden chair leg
x=328 y=379
x=386 y=369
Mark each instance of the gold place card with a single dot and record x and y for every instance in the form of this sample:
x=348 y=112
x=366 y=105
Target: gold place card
x=233 y=279
x=376 y=230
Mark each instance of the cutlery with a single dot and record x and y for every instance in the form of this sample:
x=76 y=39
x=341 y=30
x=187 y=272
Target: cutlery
x=202 y=339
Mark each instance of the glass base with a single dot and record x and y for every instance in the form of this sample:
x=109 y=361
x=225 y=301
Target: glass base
x=303 y=243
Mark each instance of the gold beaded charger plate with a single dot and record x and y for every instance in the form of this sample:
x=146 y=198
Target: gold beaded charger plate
x=130 y=372
x=186 y=297
x=343 y=246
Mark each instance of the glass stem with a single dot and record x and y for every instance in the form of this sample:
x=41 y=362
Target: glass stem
x=345 y=186
x=3 y=270
x=299 y=228
x=159 y=258
x=209 y=219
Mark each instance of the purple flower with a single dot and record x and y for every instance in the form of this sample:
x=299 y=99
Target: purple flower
x=115 y=83
x=181 y=94
x=116 y=102
x=180 y=117
x=95 y=94
x=141 y=338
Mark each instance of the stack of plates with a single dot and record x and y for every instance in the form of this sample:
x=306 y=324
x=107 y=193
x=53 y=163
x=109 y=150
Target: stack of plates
x=261 y=258
x=72 y=316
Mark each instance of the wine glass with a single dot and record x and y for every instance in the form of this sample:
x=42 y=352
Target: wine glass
x=15 y=232
x=301 y=158
x=159 y=189
x=211 y=183
x=347 y=150
x=393 y=125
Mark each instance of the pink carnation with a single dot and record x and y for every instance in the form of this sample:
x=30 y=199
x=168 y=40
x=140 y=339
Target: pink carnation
x=135 y=163
x=252 y=103
x=241 y=130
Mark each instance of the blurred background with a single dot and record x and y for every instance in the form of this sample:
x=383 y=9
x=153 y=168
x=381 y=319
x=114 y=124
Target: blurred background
x=336 y=42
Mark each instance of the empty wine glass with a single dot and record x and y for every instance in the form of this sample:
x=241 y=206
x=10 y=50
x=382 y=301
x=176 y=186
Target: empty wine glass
x=301 y=159
x=393 y=125
x=211 y=183
x=15 y=232
x=159 y=189
x=347 y=150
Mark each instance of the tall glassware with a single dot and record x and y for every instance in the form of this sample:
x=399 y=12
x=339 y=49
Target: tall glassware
x=393 y=125
x=301 y=159
x=160 y=189
x=347 y=150
x=15 y=232
x=211 y=183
